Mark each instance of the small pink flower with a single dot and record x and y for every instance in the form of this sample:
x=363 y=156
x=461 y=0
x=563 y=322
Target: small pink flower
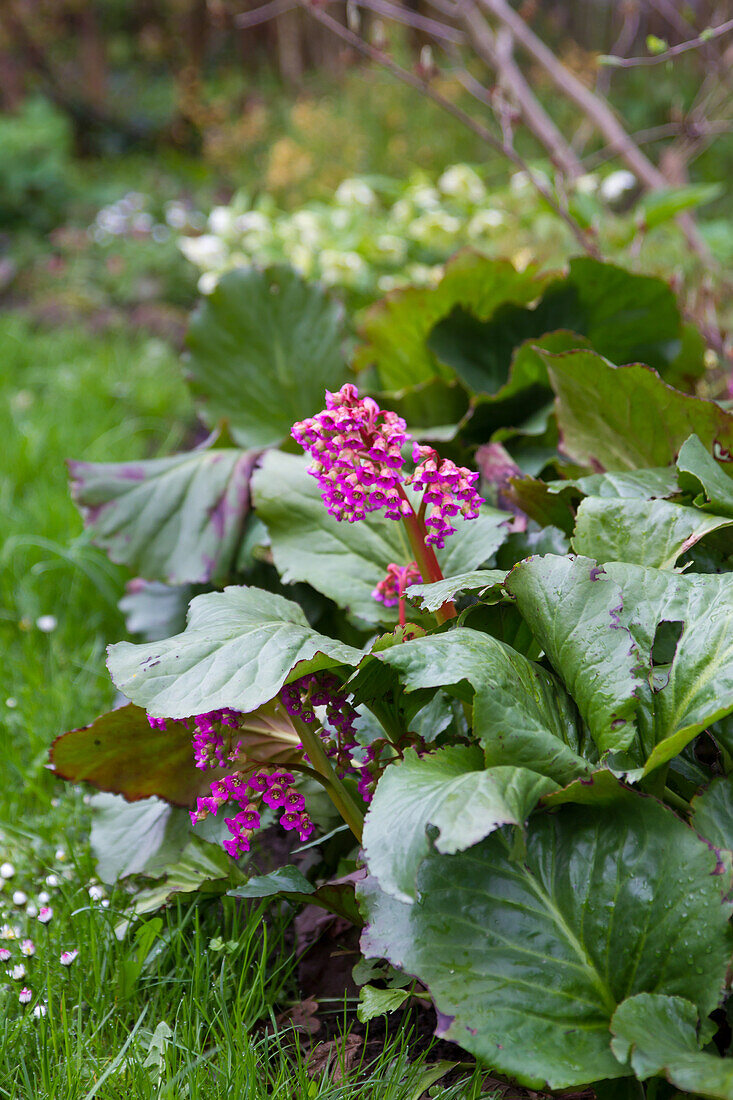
x=4 y=954
x=67 y=957
x=25 y=996
x=45 y=914
x=27 y=947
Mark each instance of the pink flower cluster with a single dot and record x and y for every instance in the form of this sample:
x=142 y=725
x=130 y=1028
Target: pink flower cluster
x=448 y=490
x=399 y=577
x=357 y=455
x=274 y=788
x=357 y=458
x=209 y=746
x=323 y=690
x=339 y=742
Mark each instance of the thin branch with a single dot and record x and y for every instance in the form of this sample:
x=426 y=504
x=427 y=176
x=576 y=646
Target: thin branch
x=414 y=81
x=657 y=133
x=413 y=19
x=499 y=57
x=656 y=59
x=263 y=13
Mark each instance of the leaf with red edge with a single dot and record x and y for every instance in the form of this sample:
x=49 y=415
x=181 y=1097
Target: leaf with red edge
x=119 y=752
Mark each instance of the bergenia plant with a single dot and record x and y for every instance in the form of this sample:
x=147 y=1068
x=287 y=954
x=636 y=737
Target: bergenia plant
x=536 y=762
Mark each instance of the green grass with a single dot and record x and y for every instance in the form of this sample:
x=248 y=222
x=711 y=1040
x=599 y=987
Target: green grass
x=161 y=1012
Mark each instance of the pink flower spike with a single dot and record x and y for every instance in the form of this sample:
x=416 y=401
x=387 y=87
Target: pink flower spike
x=27 y=947
x=67 y=957
x=25 y=996
x=45 y=913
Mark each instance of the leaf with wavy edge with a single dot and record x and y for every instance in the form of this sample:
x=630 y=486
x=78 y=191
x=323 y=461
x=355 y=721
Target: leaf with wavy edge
x=699 y=473
x=264 y=347
x=522 y=715
x=712 y=812
x=574 y=610
x=699 y=688
x=432 y=596
x=240 y=646
x=657 y=1035
x=451 y=791
x=654 y=533
x=627 y=418
x=177 y=519
x=119 y=752
x=529 y=959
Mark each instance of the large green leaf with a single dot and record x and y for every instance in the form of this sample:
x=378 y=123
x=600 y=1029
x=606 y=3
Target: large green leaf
x=177 y=519
x=263 y=349
x=346 y=560
x=396 y=330
x=657 y=1035
x=626 y=418
x=700 y=474
x=132 y=838
x=654 y=533
x=698 y=685
x=288 y=882
x=451 y=791
x=641 y=484
x=237 y=651
x=530 y=957
x=573 y=610
x=432 y=596
x=712 y=812
x=521 y=714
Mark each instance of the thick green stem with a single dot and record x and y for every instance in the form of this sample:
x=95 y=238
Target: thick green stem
x=336 y=790
x=426 y=560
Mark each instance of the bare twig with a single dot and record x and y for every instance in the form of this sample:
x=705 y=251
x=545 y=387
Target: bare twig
x=489 y=48
x=674 y=51
x=263 y=13
x=658 y=133
x=584 y=239
x=433 y=27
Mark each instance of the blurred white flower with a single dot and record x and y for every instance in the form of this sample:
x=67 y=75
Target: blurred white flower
x=402 y=212
x=67 y=957
x=306 y=228
x=461 y=182
x=207 y=282
x=355 y=192
x=176 y=214
x=341 y=267
x=96 y=893
x=27 y=948
x=483 y=222
x=206 y=251
x=25 y=996
x=424 y=197
x=45 y=914
x=19 y=898
x=60 y=854
x=52 y=880
x=39 y=1011
x=44 y=897
x=301 y=258
x=6 y=870
x=17 y=972
x=431 y=227
x=587 y=183
x=615 y=185
x=47 y=623
x=221 y=221
x=424 y=274
x=31 y=910
x=391 y=247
